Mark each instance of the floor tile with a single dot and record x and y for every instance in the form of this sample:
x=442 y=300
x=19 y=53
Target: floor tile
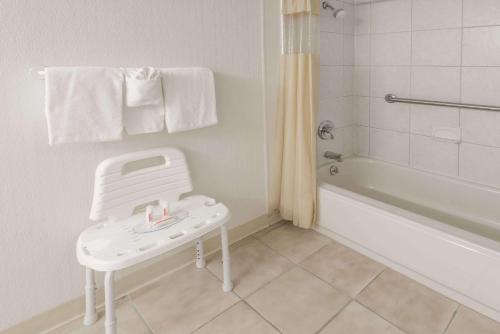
x=408 y=304
x=294 y=243
x=182 y=302
x=467 y=321
x=269 y=229
x=343 y=267
x=298 y=302
x=129 y=322
x=253 y=264
x=239 y=319
x=357 y=319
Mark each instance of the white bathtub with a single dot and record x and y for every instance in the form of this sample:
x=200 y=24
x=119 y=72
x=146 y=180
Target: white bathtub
x=443 y=232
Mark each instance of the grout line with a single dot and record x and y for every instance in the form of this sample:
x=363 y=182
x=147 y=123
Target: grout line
x=428 y=65
x=451 y=319
x=427 y=30
x=271 y=281
x=410 y=153
x=369 y=149
x=371 y=281
x=460 y=87
x=262 y=316
x=334 y=316
x=215 y=317
x=382 y=317
x=138 y=312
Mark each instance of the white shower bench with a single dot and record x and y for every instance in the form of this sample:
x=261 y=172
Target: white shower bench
x=122 y=185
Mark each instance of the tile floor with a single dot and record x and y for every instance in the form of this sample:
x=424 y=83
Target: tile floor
x=289 y=280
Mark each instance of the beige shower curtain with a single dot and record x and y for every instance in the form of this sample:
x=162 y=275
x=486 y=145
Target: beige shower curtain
x=293 y=190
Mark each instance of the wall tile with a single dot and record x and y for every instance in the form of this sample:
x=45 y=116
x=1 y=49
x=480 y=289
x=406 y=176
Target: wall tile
x=481 y=12
x=361 y=109
x=361 y=80
x=480 y=164
x=331 y=49
x=362 y=50
x=390 y=146
x=362 y=141
x=390 y=116
x=481 y=46
x=438 y=83
x=434 y=156
x=347 y=78
x=481 y=85
x=391 y=49
x=338 y=110
x=348 y=50
x=391 y=16
x=331 y=82
x=481 y=127
x=429 y=66
x=437 y=47
x=425 y=118
x=347 y=140
x=362 y=18
x=348 y=20
x=437 y=14
x=394 y=80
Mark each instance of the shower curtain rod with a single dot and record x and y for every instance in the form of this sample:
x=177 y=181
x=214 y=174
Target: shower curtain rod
x=391 y=98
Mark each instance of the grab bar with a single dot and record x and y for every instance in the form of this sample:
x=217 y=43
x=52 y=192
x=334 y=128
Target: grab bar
x=391 y=98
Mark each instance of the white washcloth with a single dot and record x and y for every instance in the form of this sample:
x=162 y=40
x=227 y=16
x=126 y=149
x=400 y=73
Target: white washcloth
x=143 y=87
x=144 y=111
x=83 y=104
x=189 y=96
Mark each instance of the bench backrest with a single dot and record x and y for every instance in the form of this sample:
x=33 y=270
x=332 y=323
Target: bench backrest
x=128 y=181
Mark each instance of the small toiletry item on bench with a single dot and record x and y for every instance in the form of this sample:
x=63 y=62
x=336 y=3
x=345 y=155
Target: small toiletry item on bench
x=83 y=104
x=189 y=97
x=144 y=110
x=160 y=217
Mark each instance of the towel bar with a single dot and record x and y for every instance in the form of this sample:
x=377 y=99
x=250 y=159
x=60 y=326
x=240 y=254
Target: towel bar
x=38 y=73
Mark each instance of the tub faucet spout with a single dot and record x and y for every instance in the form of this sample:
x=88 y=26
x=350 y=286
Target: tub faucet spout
x=334 y=156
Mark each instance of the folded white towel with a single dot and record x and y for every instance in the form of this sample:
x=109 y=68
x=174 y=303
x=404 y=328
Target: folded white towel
x=83 y=104
x=143 y=86
x=189 y=96
x=144 y=111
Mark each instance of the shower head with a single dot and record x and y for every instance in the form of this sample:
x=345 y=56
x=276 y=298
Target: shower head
x=338 y=13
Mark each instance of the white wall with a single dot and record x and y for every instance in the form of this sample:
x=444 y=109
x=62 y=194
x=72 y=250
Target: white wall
x=431 y=49
x=45 y=192
x=336 y=74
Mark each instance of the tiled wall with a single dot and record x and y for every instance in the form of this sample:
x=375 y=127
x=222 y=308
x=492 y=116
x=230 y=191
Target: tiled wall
x=430 y=49
x=336 y=87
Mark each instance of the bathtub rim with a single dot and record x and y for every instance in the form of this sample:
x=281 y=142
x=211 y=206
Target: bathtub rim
x=453 y=179
x=415 y=220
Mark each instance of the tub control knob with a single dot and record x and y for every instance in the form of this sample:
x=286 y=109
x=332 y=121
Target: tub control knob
x=326 y=130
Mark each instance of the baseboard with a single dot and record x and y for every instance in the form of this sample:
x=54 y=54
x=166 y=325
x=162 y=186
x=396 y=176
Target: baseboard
x=136 y=278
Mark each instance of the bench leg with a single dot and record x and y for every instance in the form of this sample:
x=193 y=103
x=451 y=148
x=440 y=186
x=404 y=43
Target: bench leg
x=90 y=310
x=110 y=320
x=200 y=254
x=227 y=285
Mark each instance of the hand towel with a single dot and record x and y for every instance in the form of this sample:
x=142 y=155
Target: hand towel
x=83 y=104
x=189 y=97
x=144 y=111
